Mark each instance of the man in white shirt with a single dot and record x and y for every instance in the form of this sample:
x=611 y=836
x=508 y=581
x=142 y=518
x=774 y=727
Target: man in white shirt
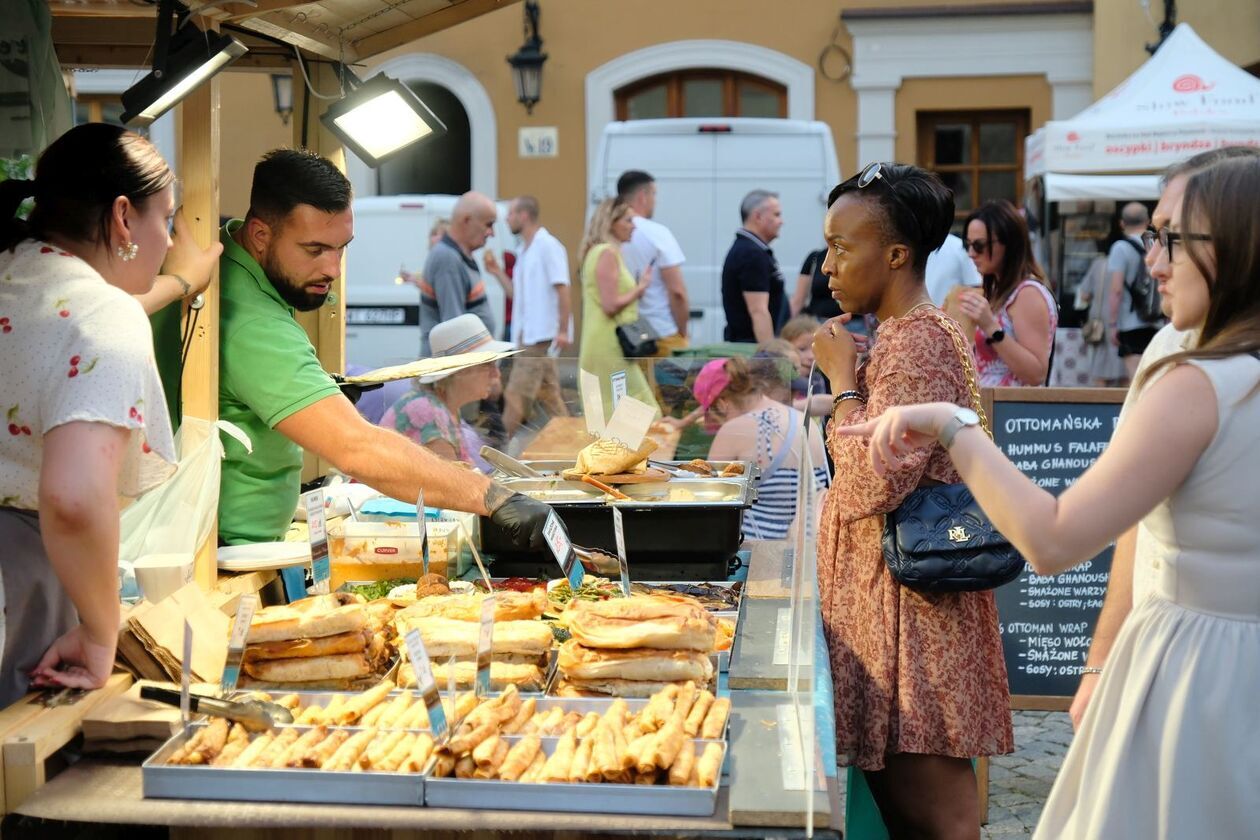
x=541 y=312
x=664 y=304
x=949 y=266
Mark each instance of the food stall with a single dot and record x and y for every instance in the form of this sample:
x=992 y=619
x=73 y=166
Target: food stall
x=1184 y=100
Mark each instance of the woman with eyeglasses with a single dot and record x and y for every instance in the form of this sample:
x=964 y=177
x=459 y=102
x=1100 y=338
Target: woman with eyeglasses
x=920 y=682
x=1168 y=746
x=1014 y=312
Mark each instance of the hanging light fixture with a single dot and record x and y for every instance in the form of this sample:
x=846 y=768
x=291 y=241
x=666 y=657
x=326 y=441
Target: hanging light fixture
x=528 y=61
x=380 y=117
x=182 y=60
x=282 y=95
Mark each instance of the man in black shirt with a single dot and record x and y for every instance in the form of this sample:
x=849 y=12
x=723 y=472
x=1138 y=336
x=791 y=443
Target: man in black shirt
x=752 y=285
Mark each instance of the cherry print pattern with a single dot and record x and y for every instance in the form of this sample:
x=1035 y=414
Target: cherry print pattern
x=5 y=326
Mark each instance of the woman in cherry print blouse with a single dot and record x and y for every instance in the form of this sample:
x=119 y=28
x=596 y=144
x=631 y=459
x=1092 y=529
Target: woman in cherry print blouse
x=920 y=683
x=84 y=416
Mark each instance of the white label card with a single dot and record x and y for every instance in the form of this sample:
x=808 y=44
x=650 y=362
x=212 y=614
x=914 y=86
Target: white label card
x=423 y=523
x=618 y=380
x=562 y=548
x=592 y=402
x=321 y=571
x=630 y=422
x=426 y=684
x=236 y=643
x=619 y=534
x=185 y=675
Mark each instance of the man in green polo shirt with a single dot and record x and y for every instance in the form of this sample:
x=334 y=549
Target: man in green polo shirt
x=285 y=256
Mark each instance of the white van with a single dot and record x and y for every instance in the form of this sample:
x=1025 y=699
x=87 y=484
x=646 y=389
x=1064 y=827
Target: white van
x=703 y=169
x=391 y=235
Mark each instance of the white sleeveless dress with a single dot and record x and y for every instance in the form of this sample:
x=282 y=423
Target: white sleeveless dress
x=1170 y=745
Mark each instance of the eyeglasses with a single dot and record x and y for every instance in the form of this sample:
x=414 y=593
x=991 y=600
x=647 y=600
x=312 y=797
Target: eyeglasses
x=980 y=246
x=869 y=174
x=1166 y=238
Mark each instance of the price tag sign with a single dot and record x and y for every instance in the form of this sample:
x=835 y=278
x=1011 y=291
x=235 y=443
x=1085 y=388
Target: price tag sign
x=320 y=569
x=630 y=422
x=558 y=541
x=619 y=534
x=618 y=380
x=427 y=685
x=422 y=522
x=236 y=643
x=592 y=402
x=485 y=644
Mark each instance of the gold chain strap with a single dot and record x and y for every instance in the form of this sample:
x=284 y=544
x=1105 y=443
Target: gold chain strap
x=969 y=367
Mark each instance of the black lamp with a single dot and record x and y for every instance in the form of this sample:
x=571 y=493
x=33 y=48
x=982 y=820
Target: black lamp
x=380 y=117
x=527 y=62
x=181 y=61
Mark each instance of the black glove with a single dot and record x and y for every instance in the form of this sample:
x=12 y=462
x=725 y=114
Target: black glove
x=354 y=391
x=522 y=519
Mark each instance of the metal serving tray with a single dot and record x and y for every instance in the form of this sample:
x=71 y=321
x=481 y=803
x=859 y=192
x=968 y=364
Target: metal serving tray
x=661 y=800
x=556 y=467
x=675 y=493
x=177 y=781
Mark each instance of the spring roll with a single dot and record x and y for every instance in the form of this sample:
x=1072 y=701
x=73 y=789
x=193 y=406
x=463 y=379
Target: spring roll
x=520 y=757
x=634 y=750
x=698 y=711
x=484 y=752
x=292 y=757
x=645 y=778
x=416 y=716
x=709 y=766
x=523 y=716
x=443 y=765
x=686 y=697
x=376 y=752
x=466 y=741
x=587 y=726
x=290 y=702
x=398 y=754
x=465 y=767
x=347 y=755
x=355 y=707
x=550 y=722
x=275 y=749
x=491 y=769
x=535 y=768
x=620 y=748
x=321 y=752
x=557 y=767
x=418 y=757
x=211 y=742
x=658 y=709
x=605 y=763
x=238 y=740
x=615 y=715
x=391 y=713
x=664 y=749
x=581 y=760
x=680 y=770
x=309 y=716
x=255 y=749
x=715 y=721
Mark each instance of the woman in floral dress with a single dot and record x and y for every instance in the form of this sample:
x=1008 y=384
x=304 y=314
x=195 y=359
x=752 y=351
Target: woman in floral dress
x=920 y=683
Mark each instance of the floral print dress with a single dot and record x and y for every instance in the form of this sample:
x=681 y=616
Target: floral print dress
x=913 y=672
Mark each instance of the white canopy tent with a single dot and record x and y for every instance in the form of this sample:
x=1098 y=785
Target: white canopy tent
x=1184 y=100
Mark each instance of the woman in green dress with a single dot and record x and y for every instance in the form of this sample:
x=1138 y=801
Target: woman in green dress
x=610 y=298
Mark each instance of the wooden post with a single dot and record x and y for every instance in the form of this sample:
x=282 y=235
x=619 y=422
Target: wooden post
x=326 y=326
x=199 y=169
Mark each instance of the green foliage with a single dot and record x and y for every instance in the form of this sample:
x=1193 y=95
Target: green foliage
x=22 y=166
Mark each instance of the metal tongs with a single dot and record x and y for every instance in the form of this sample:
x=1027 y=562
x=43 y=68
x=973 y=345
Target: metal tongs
x=598 y=561
x=672 y=469
x=508 y=465
x=254 y=715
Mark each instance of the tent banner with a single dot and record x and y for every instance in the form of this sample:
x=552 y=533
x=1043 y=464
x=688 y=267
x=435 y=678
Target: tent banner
x=1099 y=148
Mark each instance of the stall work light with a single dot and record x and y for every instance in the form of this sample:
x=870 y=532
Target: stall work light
x=181 y=62
x=378 y=118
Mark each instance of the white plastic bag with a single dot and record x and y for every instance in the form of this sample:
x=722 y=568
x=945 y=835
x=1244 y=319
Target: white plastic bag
x=178 y=516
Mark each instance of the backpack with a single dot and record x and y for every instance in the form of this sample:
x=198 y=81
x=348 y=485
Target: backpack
x=1143 y=291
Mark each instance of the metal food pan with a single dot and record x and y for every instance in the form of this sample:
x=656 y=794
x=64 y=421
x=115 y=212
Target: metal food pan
x=176 y=781
x=594 y=798
x=550 y=468
x=692 y=493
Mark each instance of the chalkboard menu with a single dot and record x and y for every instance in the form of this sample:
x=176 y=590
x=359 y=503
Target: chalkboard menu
x=1052 y=435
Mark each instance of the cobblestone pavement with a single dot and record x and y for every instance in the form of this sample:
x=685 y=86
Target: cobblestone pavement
x=1020 y=782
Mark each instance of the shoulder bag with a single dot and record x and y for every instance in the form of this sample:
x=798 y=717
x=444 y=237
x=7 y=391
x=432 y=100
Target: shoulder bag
x=637 y=339
x=939 y=540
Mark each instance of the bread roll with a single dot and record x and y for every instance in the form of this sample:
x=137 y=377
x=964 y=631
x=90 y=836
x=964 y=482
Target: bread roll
x=339 y=667
x=307 y=648
x=445 y=637
x=302 y=620
x=582 y=663
x=508 y=606
x=642 y=621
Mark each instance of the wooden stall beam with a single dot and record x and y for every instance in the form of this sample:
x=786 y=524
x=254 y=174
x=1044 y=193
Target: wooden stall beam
x=199 y=165
x=427 y=25
x=304 y=36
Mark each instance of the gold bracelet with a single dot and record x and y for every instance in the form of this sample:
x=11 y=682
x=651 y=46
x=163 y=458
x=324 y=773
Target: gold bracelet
x=1089 y=669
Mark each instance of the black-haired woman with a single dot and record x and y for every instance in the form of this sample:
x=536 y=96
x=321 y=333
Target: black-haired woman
x=920 y=683
x=84 y=414
x=1169 y=746
x=1016 y=314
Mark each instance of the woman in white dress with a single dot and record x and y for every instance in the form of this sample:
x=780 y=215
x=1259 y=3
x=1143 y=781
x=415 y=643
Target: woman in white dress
x=1170 y=745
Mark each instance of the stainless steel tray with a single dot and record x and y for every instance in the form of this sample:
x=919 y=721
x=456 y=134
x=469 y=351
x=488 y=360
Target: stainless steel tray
x=661 y=800
x=549 y=468
x=174 y=781
x=675 y=493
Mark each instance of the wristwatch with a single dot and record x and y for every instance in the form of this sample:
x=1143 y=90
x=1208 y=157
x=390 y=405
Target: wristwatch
x=997 y=336
x=962 y=418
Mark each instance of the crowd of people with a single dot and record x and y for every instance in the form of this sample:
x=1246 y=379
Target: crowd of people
x=892 y=365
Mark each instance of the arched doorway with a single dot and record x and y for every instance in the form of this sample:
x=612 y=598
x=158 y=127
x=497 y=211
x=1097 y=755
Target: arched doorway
x=442 y=165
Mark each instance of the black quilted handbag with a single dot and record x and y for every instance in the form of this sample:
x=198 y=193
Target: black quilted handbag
x=939 y=540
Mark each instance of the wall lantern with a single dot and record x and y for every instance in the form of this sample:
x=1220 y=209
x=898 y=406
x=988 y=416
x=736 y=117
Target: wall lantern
x=282 y=95
x=528 y=61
